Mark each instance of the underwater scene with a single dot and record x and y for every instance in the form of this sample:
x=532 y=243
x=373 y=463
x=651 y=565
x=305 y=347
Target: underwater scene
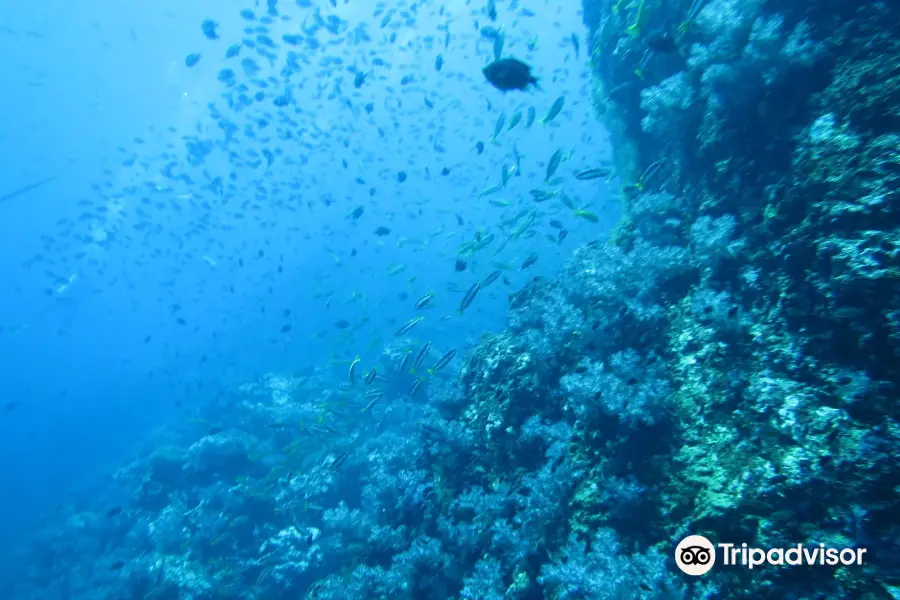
x=450 y=300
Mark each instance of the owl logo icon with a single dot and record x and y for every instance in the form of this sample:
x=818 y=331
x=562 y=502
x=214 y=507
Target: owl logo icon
x=695 y=555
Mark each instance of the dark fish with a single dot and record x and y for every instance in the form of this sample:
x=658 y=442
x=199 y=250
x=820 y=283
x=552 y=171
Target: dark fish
x=114 y=512
x=209 y=29
x=445 y=171
x=661 y=42
x=25 y=189
x=430 y=429
x=191 y=59
x=479 y=148
x=438 y=62
x=490 y=33
x=508 y=74
x=342 y=324
x=117 y=566
x=562 y=235
x=359 y=80
x=530 y=260
x=460 y=265
x=340 y=459
x=381 y=231
x=401 y=176
x=357 y=212
x=542 y=195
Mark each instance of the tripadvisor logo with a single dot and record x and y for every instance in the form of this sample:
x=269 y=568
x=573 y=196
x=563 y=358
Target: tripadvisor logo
x=696 y=555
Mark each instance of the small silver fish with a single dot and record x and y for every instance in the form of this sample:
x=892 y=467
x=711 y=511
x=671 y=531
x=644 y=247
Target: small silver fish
x=498 y=126
x=416 y=386
x=442 y=362
x=514 y=120
x=554 y=110
x=593 y=173
x=553 y=165
x=372 y=403
x=408 y=325
x=403 y=362
x=421 y=356
x=506 y=173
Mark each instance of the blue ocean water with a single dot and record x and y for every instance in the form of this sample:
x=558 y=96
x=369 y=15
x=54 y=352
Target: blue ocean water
x=189 y=221
x=475 y=299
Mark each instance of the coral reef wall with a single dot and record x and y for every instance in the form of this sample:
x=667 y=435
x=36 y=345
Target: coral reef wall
x=760 y=139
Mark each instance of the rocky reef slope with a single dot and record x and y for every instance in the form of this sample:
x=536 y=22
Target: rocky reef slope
x=761 y=139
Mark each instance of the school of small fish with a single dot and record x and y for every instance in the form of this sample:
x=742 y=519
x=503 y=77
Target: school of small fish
x=340 y=130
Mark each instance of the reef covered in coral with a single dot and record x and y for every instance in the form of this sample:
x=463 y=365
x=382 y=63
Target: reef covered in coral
x=727 y=366
x=760 y=140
